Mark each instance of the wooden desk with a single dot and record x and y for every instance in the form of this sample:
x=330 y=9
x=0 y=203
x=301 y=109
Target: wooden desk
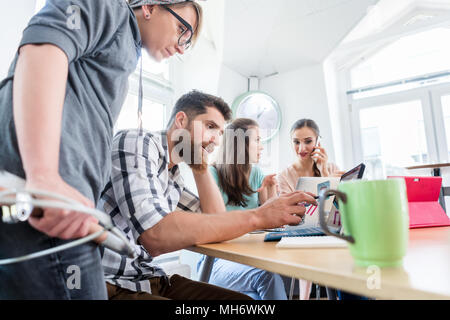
x=429 y=166
x=425 y=273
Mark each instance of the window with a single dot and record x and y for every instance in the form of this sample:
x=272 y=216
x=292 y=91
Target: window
x=371 y=142
x=395 y=99
x=153 y=115
x=151 y=67
x=411 y=56
x=394 y=134
x=446 y=117
x=157 y=91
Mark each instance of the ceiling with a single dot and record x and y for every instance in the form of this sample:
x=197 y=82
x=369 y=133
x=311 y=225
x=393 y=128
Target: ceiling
x=387 y=22
x=263 y=37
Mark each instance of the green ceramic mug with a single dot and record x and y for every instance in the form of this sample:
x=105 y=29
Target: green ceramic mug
x=375 y=220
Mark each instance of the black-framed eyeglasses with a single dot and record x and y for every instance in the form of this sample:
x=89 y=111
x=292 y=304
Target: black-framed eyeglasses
x=186 y=36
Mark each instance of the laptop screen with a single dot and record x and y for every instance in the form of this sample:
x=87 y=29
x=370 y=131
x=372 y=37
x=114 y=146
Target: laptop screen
x=353 y=174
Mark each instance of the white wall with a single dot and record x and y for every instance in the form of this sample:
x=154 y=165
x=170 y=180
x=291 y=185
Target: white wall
x=200 y=69
x=231 y=84
x=203 y=70
x=14 y=17
x=335 y=82
x=301 y=94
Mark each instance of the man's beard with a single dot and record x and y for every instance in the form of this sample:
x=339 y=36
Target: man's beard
x=200 y=158
x=197 y=159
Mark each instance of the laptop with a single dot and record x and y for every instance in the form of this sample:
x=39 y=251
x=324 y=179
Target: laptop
x=307 y=230
x=424 y=208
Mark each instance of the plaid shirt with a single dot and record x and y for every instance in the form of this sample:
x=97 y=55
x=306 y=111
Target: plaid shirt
x=137 y=199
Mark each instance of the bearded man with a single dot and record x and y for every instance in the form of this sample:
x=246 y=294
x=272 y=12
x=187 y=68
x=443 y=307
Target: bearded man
x=146 y=199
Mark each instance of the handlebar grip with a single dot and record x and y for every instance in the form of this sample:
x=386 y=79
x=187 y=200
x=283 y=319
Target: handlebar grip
x=114 y=243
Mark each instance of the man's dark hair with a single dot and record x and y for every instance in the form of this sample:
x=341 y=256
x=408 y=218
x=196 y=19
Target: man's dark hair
x=195 y=103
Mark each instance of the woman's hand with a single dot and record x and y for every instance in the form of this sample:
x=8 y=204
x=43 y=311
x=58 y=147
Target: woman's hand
x=269 y=182
x=63 y=224
x=269 y=188
x=320 y=157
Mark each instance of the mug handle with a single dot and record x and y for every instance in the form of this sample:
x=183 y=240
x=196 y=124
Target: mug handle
x=323 y=224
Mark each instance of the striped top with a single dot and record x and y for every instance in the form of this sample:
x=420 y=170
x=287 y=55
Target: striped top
x=137 y=199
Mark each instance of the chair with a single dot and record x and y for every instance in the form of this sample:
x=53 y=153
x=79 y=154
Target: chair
x=445 y=191
x=331 y=293
x=170 y=263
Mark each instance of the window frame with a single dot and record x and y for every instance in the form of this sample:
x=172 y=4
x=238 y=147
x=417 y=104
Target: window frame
x=155 y=89
x=428 y=93
x=429 y=117
x=436 y=94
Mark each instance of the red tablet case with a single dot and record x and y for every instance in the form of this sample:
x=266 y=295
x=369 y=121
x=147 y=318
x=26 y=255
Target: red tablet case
x=424 y=208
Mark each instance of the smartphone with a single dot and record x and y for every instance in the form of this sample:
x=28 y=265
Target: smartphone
x=315 y=146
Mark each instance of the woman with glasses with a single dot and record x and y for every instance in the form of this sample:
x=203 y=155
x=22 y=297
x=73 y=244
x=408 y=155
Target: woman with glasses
x=58 y=104
x=244 y=186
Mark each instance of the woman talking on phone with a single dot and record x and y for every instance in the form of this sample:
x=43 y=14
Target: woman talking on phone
x=312 y=158
x=311 y=161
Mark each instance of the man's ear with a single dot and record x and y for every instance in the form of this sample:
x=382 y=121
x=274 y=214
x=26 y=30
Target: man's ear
x=147 y=11
x=181 y=120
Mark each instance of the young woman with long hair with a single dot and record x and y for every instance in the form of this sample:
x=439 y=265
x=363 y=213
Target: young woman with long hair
x=244 y=186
